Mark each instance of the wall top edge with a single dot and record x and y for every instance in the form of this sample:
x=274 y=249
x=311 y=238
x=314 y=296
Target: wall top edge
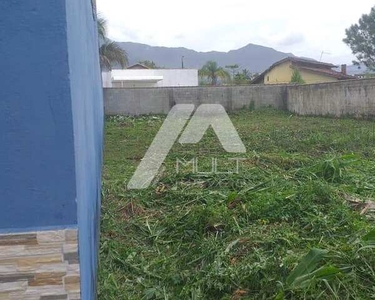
x=36 y=229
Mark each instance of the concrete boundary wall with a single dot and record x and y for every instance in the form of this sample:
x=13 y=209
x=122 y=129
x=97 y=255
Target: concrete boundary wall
x=345 y=98
x=143 y=101
x=351 y=97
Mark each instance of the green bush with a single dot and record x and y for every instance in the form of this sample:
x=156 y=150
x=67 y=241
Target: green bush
x=297 y=78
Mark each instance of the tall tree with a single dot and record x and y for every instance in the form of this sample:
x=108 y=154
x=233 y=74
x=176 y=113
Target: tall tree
x=233 y=69
x=361 y=39
x=246 y=73
x=102 y=28
x=243 y=77
x=110 y=52
x=213 y=72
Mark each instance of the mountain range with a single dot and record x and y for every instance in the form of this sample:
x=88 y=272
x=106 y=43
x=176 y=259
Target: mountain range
x=253 y=57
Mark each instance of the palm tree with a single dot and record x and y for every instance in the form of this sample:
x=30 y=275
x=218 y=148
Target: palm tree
x=102 y=28
x=246 y=73
x=213 y=72
x=110 y=52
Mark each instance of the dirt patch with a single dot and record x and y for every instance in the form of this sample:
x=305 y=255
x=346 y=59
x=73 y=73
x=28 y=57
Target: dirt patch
x=131 y=210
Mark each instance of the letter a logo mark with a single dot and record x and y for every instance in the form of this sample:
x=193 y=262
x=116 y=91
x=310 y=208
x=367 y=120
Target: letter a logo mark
x=206 y=115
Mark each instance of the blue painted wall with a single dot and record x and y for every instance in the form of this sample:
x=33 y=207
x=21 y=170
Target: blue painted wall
x=88 y=117
x=51 y=122
x=37 y=169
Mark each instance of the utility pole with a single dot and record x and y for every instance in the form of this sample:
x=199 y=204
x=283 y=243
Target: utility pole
x=182 y=62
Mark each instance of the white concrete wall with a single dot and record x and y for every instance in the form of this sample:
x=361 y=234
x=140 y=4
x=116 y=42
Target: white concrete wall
x=106 y=79
x=171 y=77
x=127 y=84
x=178 y=77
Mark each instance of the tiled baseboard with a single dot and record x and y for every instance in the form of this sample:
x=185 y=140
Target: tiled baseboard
x=40 y=265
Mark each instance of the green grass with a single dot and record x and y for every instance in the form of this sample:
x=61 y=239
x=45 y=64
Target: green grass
x=241 y=236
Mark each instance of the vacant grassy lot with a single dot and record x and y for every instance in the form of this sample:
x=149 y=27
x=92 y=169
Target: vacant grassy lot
x=301 y=186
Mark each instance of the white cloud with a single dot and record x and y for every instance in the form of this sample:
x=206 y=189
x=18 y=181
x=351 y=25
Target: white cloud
x=291 y=39
x=303 y=28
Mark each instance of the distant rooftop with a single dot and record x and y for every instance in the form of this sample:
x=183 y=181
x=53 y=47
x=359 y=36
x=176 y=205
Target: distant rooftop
x=137 y=66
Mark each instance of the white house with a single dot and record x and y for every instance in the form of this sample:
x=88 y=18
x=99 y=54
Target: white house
x=133 y=77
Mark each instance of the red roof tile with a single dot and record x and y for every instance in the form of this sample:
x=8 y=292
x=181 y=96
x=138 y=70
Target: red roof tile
x=327 y=72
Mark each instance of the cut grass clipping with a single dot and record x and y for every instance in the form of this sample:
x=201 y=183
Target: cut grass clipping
x=296 y=222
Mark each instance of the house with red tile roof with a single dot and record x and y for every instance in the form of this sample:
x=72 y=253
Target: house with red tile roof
x=311 y=71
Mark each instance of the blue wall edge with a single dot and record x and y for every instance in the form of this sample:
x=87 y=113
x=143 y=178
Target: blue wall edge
x=88 y=123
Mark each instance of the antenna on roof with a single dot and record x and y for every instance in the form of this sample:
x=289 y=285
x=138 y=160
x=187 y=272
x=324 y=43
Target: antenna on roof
x=321 y=55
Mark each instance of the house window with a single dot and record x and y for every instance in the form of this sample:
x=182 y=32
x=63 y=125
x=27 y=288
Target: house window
x=268 y=78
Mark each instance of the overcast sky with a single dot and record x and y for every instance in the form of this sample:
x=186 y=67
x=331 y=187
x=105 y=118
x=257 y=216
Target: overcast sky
x=304 y=28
